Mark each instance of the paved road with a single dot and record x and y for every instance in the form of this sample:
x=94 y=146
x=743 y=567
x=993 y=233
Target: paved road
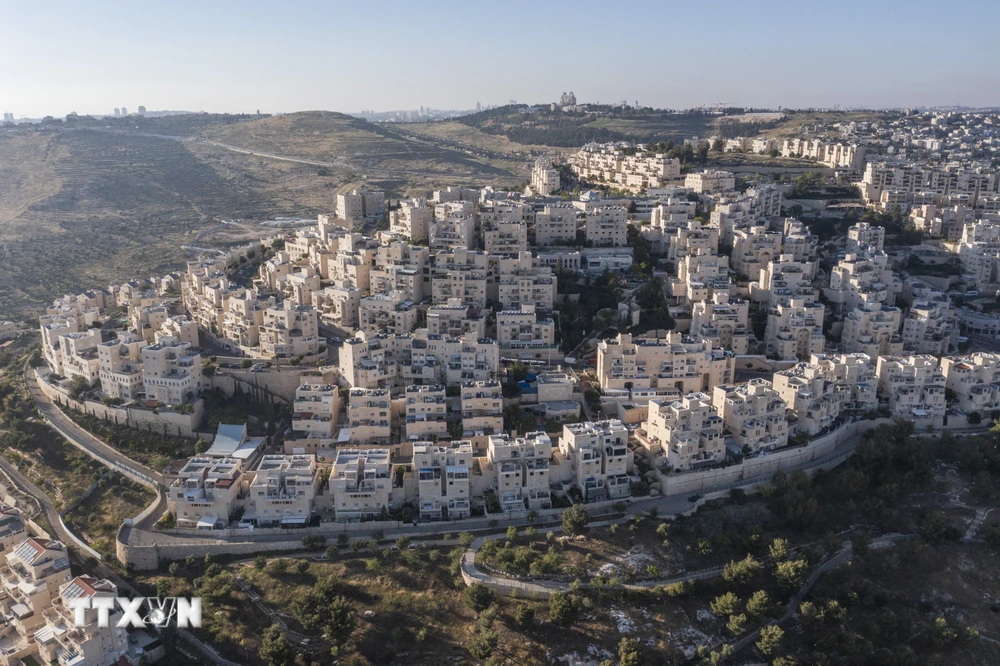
x=83 y=439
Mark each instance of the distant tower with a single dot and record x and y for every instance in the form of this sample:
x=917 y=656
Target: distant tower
x=118 y=112
x=124 y=112
x=479 y=106
x=142 y=110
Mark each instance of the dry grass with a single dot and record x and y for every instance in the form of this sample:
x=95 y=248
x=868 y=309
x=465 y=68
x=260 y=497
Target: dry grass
x=97 y=519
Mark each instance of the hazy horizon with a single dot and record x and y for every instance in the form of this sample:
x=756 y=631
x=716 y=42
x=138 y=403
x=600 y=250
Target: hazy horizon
x=399 y=56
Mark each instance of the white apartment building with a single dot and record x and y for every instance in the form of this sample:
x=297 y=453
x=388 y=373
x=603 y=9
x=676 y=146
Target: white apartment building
x=598 y=455
x=523 y=280
x=412 y=220
x=443 y=479
x=338 y=304
x=689 y=432
x=795 y=331
x=799 y=241
x=76 y=354
x=361 y=484
x=863 y=278
x=369 y=416
x=722 y=322
x=754 y=414
x=544 y=178
x=882 y=180
x=555 y=387
x=290 y=331
x=205 y=492
x=387 y=313
x=284 y=489
x=556 y=224
x=690 y=237
x=315 y=410
x=349 y=259
x=171 y=372
x=975 y=380
x=863 y=237
x=636 y=172
x=120 y=366
x=857 y=372
x=454 y=319
x=401 y=267
x=710 y=182
x=700 y=276
x=426 y=412
x=482 y=407
x=453 y=232
x=929 y=325
x=812 y=397
x=913 y=386
x=520 y=471
x=61 y=641
x=505 y=237
x=753 y=249
x=677 y=362
x=783 y=279
x=607 y=226
x=872 y=329
x=385 y=361
x=31 y=577
x=360 y=205
x=464 y=275
x=523 y=334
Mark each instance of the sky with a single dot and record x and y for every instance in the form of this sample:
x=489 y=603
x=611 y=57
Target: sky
x=89 y=57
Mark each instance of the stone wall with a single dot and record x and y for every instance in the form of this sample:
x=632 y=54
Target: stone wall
x=164 y=422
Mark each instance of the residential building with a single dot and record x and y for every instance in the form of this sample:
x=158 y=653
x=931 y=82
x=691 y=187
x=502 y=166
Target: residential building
x=206 y=491
x=284 y=489
x=521 y=333
x=975 y=381
x=520 y=471
x=795 y=331
x=290 y=331
x=337 y=304
x=754 y=413
x=426 y=412
x=413 y=220
x=387 y=313
x=523 y=280
x=454 y=319
x=556 y=224
x=443 y=479
x=598 y=455
x=710 y=182
x=674 y=361
x=754 y=248
x=544 y=178
x=120 y=367
x=607 y=226
x=913 y=386
x=361 y=484
x=928 y=327
x=30 y=581
x=361 y=205
x=688 y=432
x=857 y=372
x=814 y=399
x=609 y=163
x=482 y=407
x=315 y=410
x=872 y=329
x=62 y=641
x=171 y=372
x=722 y=322
x=863 y=237
x=505 y=237
x=783 y=279
x=863 y=278
x=369 y=416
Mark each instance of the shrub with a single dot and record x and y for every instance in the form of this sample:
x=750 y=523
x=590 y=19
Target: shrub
x=478 y=597
x=725 y=604
x=562 y=609
x=524 y=616
x=574 y=520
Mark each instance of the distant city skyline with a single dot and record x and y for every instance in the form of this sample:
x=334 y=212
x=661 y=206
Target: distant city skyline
x=238 y=58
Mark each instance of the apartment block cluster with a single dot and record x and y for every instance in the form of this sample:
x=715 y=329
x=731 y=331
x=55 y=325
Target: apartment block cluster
x=157 y=363
x=38 y=597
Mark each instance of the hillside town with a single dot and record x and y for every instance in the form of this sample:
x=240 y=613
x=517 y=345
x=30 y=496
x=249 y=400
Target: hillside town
x=435 y=357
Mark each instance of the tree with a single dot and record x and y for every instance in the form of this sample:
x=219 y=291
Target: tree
x=629 y=653
x=340 y=620
x=574 y=520
x=465 y=539
x=725 y=604
x=759 y=604
x=511 y=533
x=562 y=609
x=789 y=574
x=275 y=649
x=478 y=597
x=778 y=550
x=524 y=616
x=770 y=638
x=742 y=571
x=736 y=623
x=402 y=542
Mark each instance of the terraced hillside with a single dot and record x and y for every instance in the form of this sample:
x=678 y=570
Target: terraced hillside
x=91 y=203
